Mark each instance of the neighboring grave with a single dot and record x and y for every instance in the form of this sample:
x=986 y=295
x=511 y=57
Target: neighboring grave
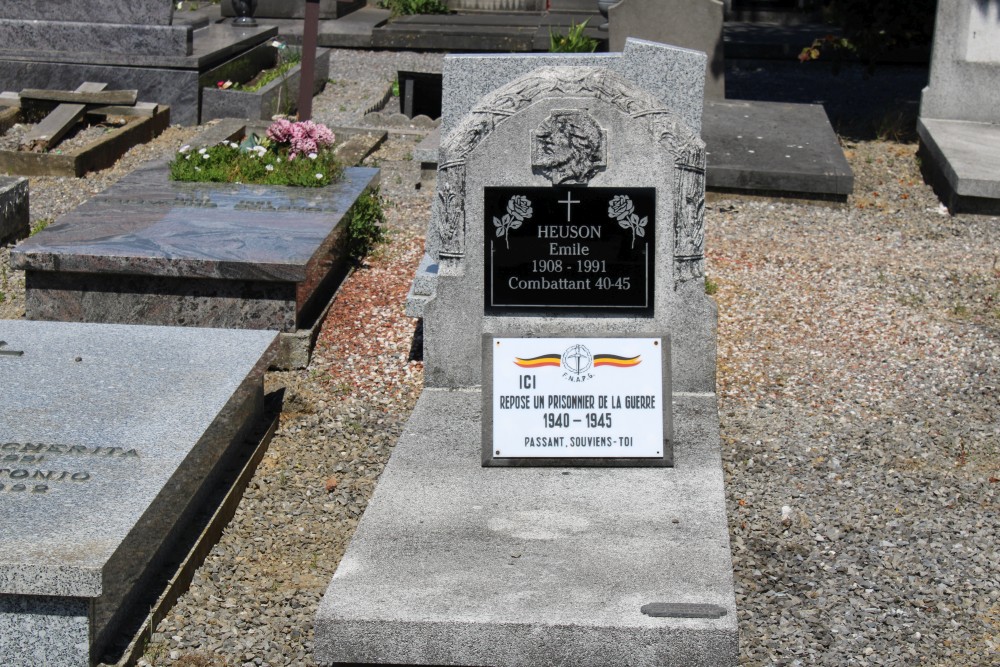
x=557 y=495
x=692 y=24
x=959 y=124
x=139 y=45
x=154 y=251
x=111 y=438
x=14 y=223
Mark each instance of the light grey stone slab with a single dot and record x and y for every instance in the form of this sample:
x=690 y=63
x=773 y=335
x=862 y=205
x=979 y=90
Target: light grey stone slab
x=675 y=76
x=136 y=12
x=454 y=564
x=112 y=437
x=965 y=63
x=693 y=25
x=13 y=208
x=961 y=159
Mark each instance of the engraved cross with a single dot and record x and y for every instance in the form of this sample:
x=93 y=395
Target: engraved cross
x=569 y=201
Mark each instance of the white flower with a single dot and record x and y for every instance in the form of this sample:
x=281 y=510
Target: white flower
x=185 y=148
x=279 y=160
x=205 y=156
x=187 y=157
x=319 y=177
x=233 y=144
x=197 y=168
x=202 y=150
x=180 y=5
x=269 y=167
x=313 y=156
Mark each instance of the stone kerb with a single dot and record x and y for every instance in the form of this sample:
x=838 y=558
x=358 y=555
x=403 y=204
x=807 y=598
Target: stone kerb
x=648 y=146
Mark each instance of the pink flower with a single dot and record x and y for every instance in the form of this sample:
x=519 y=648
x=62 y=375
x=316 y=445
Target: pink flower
x=304 y=137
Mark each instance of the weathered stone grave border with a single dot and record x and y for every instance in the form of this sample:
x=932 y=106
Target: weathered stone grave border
x=99 y=154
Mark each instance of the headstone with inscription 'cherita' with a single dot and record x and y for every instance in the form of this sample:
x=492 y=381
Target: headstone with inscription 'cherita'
x=111 y=439
x=557 y=495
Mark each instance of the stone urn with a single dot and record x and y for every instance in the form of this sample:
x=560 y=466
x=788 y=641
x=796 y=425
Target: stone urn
x=244 y=10
x=603 y=6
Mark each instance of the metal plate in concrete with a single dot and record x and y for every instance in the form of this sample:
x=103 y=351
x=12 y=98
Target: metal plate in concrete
x=455 y=564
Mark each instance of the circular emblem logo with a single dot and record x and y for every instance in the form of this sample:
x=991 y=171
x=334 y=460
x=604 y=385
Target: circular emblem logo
x=577 y=359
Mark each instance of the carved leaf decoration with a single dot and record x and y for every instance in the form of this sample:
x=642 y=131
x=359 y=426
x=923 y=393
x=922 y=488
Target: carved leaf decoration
x=515 y=224
x=624 y=223
x=500 y=231
x=642 y=223
x=639 y=231
x=496 y=222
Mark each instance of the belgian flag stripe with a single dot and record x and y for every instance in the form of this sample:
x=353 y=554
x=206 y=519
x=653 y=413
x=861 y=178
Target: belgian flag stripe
x=616 y=360
x=543 y=360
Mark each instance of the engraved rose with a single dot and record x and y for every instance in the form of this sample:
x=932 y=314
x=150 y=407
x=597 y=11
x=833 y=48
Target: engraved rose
x=620 y=207
x=519 y=206
x=518 y=210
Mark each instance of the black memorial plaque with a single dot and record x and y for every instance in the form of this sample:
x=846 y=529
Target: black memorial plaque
x=581 y=248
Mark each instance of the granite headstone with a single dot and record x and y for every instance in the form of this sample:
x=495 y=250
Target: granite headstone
x=582 y=195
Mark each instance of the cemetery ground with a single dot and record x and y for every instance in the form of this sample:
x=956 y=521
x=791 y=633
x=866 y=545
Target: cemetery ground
x=858 y=377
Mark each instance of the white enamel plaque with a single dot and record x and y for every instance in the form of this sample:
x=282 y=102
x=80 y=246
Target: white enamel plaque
x=578 y=398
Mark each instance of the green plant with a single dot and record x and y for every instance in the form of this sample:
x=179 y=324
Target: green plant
x=297 y=154
x=401 y=7
x=39 y=226
x=572 y=42
x=365 y=225
x=711 y=287
x=280 y=70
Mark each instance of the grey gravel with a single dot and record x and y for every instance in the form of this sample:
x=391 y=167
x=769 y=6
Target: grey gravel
x=859 y=366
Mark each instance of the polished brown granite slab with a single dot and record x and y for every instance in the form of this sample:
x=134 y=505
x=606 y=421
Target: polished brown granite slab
x=153 y=251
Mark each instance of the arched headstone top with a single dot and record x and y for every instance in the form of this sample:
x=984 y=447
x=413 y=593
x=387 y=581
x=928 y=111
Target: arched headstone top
x=552 y=82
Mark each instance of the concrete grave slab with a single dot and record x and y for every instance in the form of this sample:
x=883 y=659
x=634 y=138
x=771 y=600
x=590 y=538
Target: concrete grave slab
x=154 y=251
x=454 y=564
x=14 y=222
x=776 y=149
x=112 y=438
x=962 y=161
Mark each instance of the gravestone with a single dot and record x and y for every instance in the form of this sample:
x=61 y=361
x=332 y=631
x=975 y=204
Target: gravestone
x=557 y=494
x=959 y=123
x=113 y=436
x=154 y=251
x=141 y=45
x=14 y=223
x=691 y=24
